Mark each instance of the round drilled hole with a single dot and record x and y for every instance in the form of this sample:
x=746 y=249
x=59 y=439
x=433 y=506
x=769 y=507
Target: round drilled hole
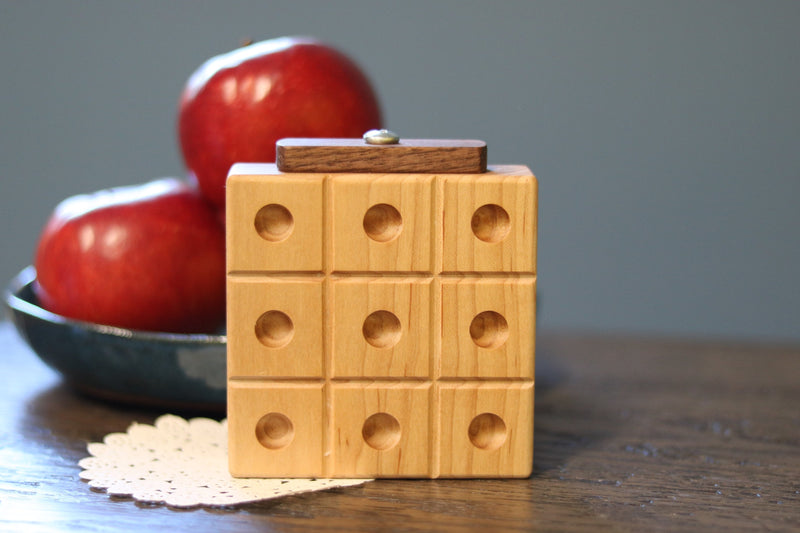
x=489 y=330
x=381 y=431
x=382 y=222
x=490 y=223
x=274 y=431
x=487 y=431
x=274 y=329
x=382 y=329
x=274 y=222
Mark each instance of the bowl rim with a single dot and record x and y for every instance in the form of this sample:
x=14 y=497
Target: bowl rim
x=27 y=275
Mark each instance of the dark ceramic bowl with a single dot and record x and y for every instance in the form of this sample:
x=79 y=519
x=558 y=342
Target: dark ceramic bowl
x=162 y=370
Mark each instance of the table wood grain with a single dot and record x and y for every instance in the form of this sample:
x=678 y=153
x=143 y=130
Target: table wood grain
x=632 y=434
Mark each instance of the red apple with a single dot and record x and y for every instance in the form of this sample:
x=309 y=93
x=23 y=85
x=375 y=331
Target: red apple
x=146 y=257
x=236 y=106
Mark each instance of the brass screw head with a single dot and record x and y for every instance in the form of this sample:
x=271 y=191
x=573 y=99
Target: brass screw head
x=381 y=137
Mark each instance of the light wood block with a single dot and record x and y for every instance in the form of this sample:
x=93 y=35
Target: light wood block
x=384 y=320
x=486 y=429
x=275 y=327
x=381 y=430
x=382 y=223
x=275 y=429
x=274 y=222
x=382 y=327
x=490 y=221
x=488 y=327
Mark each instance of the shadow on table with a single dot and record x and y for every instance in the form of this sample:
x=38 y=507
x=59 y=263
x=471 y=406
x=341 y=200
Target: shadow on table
x=61 y=416
x=567 y=419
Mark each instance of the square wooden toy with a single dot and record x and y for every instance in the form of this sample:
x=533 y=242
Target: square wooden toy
x=381 y=312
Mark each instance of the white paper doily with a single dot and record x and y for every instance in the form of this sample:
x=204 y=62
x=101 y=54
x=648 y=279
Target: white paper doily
x=182 y=463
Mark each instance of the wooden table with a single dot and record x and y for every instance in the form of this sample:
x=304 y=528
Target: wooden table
x=631 y=434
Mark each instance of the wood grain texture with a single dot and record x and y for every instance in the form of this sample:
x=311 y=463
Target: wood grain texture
x=419 y=222
x=486 y=327
x=354 y=155
x=490 y=221
x=632 y=434
x=480 y=437
x=395 y=443
x=389 y=326
x=260 y=446
x=273 y=227
x=398 y=342
x=275 y=326
x=383 y=222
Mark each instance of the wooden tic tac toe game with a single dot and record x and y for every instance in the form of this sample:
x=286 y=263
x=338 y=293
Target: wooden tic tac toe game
x=381 y=311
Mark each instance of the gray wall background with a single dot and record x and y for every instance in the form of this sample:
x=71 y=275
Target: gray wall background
x=665 y=135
